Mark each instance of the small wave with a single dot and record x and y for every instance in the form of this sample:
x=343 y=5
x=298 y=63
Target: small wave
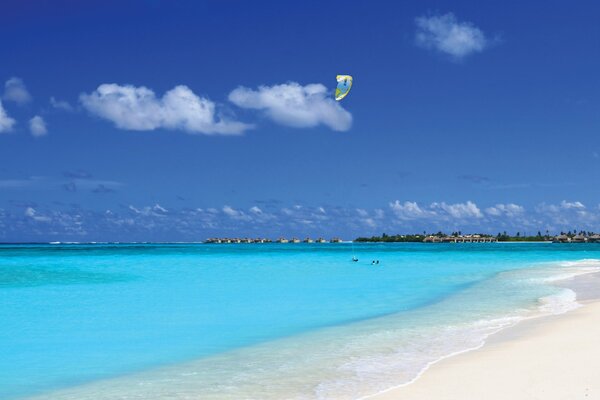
x=484 y=327
x=582 y=262
x=560 y=271
x=560 y=303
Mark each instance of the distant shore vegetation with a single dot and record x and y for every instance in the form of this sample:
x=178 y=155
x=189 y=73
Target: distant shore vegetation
x=439 y=237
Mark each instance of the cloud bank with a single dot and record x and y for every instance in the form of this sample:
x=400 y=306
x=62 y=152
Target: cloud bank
x=510 y=210
x=435 y=211
x=26 y=220
x=294 y=105
x=447 y=35
x=459 y=210
x=138 y=108
x=6 y=122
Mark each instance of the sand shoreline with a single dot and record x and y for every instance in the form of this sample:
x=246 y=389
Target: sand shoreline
x=552 y=358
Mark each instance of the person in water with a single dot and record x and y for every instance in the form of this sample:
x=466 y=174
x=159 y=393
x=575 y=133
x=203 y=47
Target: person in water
x=354 y=259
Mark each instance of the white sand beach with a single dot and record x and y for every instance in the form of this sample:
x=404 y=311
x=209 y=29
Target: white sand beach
x=551 y=358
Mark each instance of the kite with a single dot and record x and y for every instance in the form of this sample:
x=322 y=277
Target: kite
x=343 y=86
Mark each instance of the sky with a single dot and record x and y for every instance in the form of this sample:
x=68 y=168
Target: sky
x=179 y=121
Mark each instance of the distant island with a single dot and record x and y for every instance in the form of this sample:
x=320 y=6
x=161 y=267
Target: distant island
x=459 y=237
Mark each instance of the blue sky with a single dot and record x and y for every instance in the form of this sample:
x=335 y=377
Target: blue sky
x=155 y=120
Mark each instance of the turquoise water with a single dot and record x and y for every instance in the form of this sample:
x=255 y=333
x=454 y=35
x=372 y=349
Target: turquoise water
x=259 y=321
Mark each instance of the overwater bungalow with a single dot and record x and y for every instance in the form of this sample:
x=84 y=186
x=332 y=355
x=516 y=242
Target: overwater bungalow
x=336 y=240
x=561 y=239
x=579 y=239
x=594 y=238
x=265 y=240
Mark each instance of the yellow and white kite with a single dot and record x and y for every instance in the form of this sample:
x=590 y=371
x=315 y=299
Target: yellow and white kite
x=343 y=86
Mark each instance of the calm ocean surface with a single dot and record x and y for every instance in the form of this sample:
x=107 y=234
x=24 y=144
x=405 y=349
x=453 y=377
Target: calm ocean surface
x=261 y=321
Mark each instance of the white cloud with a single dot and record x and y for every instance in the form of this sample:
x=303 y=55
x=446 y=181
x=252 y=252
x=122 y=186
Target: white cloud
x=155 y=211
x=230 y=211
x=575 y=205
x=159 y=208
x=30 y=212
x=370 y=222
x=362 y=212
x=563 y=206
x=547 y=208
x=236 y=214
x=447 y=35
x=460 y=210
x=494 y=211
x=256 y=215
x=568 y=214
x=138 y=108
x=6 y=122
x=60 y=104
x=365 y=218
x=37 y=126
x=509 y=210
x=292 y=104
x=15 y=90
x=409 y=210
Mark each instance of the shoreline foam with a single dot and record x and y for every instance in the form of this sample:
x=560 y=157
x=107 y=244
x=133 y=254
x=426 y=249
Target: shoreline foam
x=435 y=380
x=549 y=307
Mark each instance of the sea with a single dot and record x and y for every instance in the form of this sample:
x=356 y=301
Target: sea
x=261 y=321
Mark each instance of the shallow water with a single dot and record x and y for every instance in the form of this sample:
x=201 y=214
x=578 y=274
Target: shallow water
x=260 y=321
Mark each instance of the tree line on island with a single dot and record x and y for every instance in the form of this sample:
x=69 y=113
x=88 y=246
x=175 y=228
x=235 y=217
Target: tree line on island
x=570 y=236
